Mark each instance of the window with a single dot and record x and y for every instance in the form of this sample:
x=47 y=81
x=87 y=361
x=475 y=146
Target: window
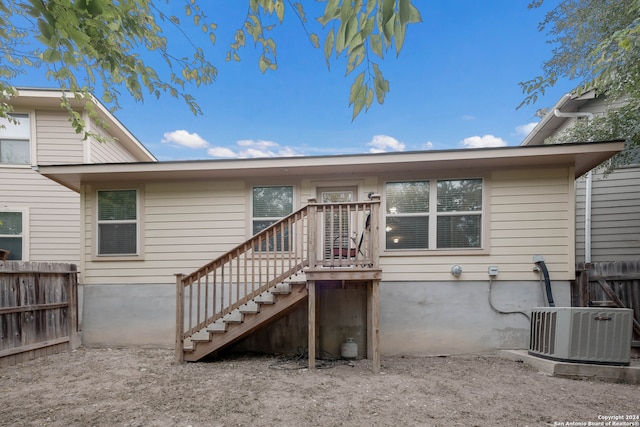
x=434 y=214
x=270 y=204
x=407 y=209
x=117 y=222
x=11 y=234
x=14 y=139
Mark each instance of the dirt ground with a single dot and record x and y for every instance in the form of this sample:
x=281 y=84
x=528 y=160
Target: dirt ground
x=142 y=387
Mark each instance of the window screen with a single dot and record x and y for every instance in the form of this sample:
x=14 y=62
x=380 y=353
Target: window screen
x=117 y=222
x=270 y=204
x=11 y=234
x=434 y=214
x=407 y=220
x=14 y=139
x=459 y=213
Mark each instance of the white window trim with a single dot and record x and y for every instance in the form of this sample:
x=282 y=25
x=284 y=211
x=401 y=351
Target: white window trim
x=25 y=230
x=433 y=222
x=33 y=160
x=139 y=255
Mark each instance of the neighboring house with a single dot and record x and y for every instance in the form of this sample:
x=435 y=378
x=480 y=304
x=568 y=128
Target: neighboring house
x=607 y=206
x=449 y=239
x=39 y=219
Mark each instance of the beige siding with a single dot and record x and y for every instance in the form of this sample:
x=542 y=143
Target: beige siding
x=188 y=224
x=529 y=214
x=185 y=226
x=108 y=152
x=615 y=222
x=52 y=210
x=56 y=140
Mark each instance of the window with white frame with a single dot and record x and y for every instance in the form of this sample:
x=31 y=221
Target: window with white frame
x=12 y=227
x=118 y=222
x=15 y=132
x=270 y=204
x=434 y=214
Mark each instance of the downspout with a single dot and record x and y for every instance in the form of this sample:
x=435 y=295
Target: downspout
x=587 y=190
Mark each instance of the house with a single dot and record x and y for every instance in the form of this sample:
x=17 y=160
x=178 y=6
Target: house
x=607 y=205
x=433 y=252
x=39 y=219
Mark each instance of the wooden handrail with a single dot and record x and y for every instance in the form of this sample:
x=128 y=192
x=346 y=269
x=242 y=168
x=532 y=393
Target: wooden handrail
x=319 y=235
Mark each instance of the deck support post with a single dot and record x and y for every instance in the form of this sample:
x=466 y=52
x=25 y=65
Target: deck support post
x=312 y=324
x=373 y=324
x=179 y=319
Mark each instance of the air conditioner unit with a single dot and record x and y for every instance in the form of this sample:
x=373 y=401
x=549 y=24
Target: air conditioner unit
x=596 y=335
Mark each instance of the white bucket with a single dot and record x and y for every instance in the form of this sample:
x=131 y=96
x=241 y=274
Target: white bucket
x=349 y=349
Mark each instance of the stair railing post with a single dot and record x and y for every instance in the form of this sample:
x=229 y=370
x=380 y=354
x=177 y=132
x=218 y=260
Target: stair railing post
x=375 y=229
x=312 y=224
x=179 y=319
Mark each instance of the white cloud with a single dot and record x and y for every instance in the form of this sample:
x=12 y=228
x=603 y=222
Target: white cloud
x=384 y=143
x=427 y=145
x=184 y=138
x=468 y=117
x=483 y=141
x=524 y=130
x=249 y=148
x=221 y=152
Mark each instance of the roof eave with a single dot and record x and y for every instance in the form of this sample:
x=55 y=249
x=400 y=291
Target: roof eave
x=582 y=157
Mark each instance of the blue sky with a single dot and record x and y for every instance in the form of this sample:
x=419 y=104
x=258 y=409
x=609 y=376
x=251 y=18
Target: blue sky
x=454 y=85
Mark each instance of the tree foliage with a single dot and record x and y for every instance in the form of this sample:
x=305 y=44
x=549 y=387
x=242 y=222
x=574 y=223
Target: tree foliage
x=91 y=46
x=597 y=43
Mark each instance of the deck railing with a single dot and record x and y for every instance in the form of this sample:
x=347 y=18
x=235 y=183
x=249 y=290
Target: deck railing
x=335 y=235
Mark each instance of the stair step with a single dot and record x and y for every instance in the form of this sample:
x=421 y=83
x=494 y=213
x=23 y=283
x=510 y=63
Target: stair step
x=281 y=289
x=234 y=317
x=188 y=345
x=265 y=298
x=250 y=308
x=217 y=327
x=201 y=336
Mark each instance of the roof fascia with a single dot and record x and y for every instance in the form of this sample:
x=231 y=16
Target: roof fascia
x=582 y=157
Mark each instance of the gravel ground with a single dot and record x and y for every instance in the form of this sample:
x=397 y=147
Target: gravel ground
x=143 y=387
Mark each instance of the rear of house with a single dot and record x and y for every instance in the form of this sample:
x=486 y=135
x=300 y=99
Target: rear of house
x=454 y=238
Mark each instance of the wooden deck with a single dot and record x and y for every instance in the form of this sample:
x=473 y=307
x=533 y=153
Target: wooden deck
x=321 y=242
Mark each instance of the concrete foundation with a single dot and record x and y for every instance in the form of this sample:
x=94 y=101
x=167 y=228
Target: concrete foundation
x=429 y=318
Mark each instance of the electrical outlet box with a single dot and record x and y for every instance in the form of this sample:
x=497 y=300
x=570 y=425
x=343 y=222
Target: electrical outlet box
x=493 y=271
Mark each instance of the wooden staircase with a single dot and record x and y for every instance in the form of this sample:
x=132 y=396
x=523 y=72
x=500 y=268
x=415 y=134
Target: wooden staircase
x=265 y=277
x=245 y=320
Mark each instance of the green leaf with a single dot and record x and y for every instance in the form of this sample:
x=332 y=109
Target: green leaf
x=51 y=55
x=300 y=11
x=387 y=10
x=376 y=44
x=355 y=58
x=356 y=86
x=314 y=40
x=414 y=15
x=404 y=11
x=330 y=12
x=328 y=47
x=280 y=10
x=399 y=33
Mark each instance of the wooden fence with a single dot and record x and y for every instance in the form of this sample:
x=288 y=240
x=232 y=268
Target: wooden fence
x=614 y=284
x=38 y=310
